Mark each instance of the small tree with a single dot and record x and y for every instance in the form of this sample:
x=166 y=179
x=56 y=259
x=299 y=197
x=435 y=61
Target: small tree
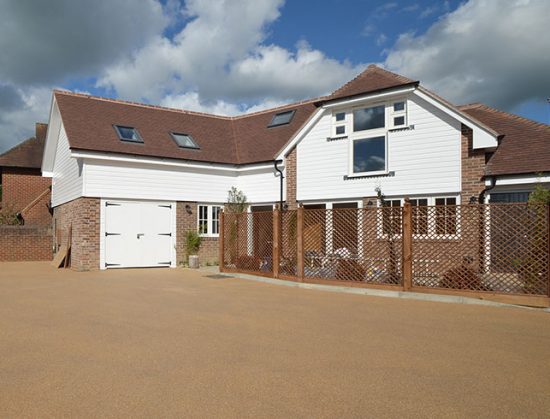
x=192 y=242
x=236 y=204
x=236 y=201
x=540 y=195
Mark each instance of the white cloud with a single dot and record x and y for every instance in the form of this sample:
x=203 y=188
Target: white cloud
x=220 y=55
x=489 y=51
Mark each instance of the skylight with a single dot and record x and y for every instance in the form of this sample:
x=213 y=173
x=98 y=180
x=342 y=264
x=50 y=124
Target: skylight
x=282 y=118
x=184 y=140
x=128 y=134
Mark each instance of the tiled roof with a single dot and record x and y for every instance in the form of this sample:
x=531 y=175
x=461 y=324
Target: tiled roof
x=27 y=154
x=525 y=144
x=371 y=80
x=89 y=122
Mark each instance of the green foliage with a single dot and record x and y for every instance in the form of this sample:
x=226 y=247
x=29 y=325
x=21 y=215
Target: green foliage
x=540 y=195
x=192 y=242
x=236 y=200
x=8 y=216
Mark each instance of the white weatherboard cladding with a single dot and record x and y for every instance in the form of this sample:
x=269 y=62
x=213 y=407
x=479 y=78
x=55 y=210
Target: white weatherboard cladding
x=67 y=176
x=124 y=180
x=425 y=160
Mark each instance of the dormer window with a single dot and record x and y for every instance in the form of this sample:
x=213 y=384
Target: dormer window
x=282 y=118
x=184 y=140
x=369 y=118
x=130 y=134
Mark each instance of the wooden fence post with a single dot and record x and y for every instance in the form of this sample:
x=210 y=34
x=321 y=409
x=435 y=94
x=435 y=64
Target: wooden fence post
x=221 y=242
x=300 y=243
x=407 y=246
x=276 y=242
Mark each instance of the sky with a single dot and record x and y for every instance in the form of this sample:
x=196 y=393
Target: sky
x=235 y=56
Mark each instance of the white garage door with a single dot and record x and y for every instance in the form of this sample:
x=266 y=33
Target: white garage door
x=138 y=234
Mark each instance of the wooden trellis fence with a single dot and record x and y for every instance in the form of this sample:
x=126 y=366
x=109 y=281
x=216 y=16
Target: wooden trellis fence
x=491 y=251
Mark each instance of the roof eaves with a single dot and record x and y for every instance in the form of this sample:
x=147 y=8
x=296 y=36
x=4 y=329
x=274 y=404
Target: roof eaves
x=329 y=99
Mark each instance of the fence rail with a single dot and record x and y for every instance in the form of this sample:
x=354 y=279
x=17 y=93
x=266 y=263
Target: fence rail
x=491 y=251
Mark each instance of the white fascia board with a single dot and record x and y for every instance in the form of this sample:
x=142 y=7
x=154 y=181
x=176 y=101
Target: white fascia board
x=52 y=135
x=341 y=103
x=368 y=98
x=173 y=163
x=483 y=136
x=527 y=179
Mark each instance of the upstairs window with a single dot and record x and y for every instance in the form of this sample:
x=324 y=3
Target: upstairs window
x=282 y=118
x=339 y=124
x=398 y=114
x=130 y=134
x=369 y=118
x=184 y=140
x=369 y=155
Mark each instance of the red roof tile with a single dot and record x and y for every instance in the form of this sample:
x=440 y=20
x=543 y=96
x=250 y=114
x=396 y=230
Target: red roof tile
x=525 y=144
x=27 y=154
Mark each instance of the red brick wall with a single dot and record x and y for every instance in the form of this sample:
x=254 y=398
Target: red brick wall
x=473 y=167
x=83 y=215
x=291 y=176
x=24 y=243
x=20 y=187
x=185 y=221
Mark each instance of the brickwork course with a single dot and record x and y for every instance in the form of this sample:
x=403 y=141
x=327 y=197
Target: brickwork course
x=25 y=243
x=473 y=167
x=186 y=220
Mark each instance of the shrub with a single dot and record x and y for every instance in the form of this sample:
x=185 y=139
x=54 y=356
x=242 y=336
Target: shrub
x=462 y=278
x=193 y=242
x=350 y=270
x=8 y=216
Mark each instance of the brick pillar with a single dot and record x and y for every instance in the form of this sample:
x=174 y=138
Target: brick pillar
x=83 y=215
x=473 y=167
x=290 y=173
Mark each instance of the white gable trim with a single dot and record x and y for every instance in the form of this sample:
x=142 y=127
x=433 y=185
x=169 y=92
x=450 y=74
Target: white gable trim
x=52 y=135
x=298 y=136
x=483 y=136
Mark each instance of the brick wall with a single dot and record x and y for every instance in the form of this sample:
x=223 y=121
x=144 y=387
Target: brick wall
x=291 y=176
x=25 y=243
x=83 y=215
x=473 y=167
x=187 y=220
x=20 y=187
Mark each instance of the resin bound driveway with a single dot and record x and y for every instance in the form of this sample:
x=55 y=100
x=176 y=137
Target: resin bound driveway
x=173 y=343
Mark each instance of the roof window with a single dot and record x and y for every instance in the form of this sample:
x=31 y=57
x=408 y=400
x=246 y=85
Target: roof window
x=282 y=118
x=184 y=140
x=128 y=134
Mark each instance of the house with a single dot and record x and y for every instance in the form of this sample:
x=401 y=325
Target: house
x=24 y=190
x=130 y=179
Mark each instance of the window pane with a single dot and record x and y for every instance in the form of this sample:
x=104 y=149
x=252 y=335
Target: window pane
x=341 y=130
x=445 y=216
x=340 y=116
x=369 y=155
x=399 y=106
x=399 y=120
x=420 y=216
x=368 y=118
x=281 y=118
x=215 y=220
x=184 y=140
x=203 y=219
x=128 y=133
x=391 y=217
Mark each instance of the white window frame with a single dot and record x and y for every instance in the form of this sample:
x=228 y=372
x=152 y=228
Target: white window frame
x=394 y=114
x=345 y=123
x=431 y=220
x=209 y=220
x=353 y=136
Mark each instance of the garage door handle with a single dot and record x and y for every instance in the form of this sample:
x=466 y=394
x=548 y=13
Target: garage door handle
x=139 y=235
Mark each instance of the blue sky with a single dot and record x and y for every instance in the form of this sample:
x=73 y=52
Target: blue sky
x=229 y=57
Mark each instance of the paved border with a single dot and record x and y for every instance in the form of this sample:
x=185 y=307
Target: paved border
x=439 y=298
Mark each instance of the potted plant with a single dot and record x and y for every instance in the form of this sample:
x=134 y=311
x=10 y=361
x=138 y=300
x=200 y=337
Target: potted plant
x=193 y=243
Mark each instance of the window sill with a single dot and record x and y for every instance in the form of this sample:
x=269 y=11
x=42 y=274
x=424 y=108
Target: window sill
x=209 y=236
x=369 y=175
x=329 y=139
x=403 y=128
